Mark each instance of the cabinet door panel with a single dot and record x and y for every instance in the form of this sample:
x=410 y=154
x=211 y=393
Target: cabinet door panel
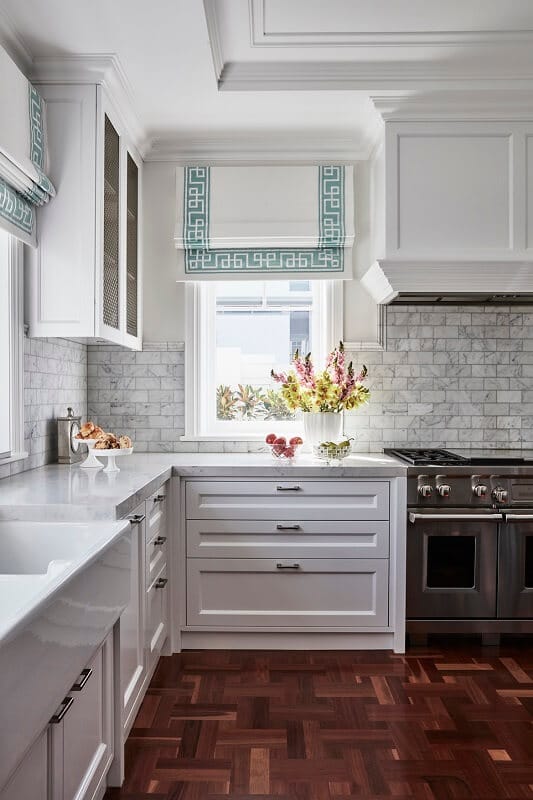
x=288 y=499
x=156 y=617
x=111 y=228
x=131 y=626
x=31 y=779
x=276 y=593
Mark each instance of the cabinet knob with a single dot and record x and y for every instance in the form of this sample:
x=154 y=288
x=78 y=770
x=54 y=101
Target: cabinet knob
x=159 y=498
x=136 y=519
x=159 y=540
x=161 y=583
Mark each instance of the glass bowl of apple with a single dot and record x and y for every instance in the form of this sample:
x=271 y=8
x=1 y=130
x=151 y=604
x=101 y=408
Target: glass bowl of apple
x=282 y=448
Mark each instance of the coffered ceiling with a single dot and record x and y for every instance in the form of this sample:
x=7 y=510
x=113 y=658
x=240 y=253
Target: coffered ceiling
x=264 y=73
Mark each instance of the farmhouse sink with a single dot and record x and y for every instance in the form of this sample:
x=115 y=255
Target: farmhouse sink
x=63 y=586
x=39 y=548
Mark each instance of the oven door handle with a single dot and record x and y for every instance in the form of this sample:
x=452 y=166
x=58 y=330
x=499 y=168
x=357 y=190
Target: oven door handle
x=445 y=517
x=519 y=517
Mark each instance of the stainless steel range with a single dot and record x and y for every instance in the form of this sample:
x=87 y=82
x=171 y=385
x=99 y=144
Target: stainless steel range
x=469 y=542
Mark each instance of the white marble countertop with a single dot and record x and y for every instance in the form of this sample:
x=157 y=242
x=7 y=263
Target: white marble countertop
x=59 y=492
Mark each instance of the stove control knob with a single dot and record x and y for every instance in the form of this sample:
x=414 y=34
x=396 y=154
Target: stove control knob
x=480 y=490
x=425 y=490
x=500 y=495
x=444 y=489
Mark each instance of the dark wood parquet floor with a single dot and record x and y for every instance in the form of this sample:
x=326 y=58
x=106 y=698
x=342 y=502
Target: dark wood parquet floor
x=435 y=724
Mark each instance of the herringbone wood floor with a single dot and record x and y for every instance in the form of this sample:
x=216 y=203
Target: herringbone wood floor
x=435 y=724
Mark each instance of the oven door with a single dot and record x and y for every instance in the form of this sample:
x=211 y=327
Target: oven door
x=515 y=566
x=451 y=564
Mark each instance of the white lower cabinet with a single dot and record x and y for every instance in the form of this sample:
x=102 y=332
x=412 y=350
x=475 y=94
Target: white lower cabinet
x=32 y=777
x=132 y=670
x=287 y=554
x=288 y=592
x=71 y=757
x=82 y=740
x=144 y=623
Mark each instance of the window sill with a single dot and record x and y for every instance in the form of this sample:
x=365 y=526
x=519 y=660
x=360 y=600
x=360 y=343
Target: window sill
x=15 y=457
x=237 y=437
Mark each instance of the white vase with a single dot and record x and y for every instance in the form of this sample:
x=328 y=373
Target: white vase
x=322 y=426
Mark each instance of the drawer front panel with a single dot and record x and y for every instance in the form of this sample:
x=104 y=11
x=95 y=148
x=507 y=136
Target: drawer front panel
x=288 y=499
x=156 y=557
x=156 y=616
x=156 y=513
x=287 y=538
x=258 y=593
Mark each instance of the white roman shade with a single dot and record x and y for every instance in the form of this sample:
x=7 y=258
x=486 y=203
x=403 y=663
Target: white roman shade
x=23 y=182
x=264 y=222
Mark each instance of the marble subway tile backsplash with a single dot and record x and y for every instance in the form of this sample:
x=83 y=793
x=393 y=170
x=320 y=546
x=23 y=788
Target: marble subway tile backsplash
x=455 y=376
x=55 y=376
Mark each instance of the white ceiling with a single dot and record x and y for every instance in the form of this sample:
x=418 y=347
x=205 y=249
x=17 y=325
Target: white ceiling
x=176 y=55
x=164 y=51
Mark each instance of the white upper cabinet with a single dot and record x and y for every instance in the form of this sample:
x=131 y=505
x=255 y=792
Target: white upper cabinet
x=84 y=280
x=452 y=208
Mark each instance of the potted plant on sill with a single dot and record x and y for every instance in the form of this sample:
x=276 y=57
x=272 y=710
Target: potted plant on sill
x=323 y=396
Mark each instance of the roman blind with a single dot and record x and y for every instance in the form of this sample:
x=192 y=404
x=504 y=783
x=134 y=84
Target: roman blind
x=23 y=180
x=264 y=222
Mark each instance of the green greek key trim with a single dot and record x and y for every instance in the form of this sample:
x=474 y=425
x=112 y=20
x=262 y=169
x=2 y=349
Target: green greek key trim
x=15 y=209
x=40 y=191
x=327 y=257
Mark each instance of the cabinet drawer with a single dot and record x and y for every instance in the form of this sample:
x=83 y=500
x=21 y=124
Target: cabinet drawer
x=156 y=513
x=270 y=592
x=156 y=628
x=156 y=557
x=288 y=499
x=287 y=538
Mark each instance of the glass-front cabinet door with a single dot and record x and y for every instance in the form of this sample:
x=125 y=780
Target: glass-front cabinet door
x=119 y=286
x=132 y=265
x=111 y=228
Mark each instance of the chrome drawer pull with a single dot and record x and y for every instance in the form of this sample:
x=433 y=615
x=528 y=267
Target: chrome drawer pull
x=159 y=540
x=85 y=674
x=161 y=583
x=288 y=527
x=159 y=498
x=288 y=488
x=287 y=566
x=136 y=519
x=446 y=517
x=62 y=710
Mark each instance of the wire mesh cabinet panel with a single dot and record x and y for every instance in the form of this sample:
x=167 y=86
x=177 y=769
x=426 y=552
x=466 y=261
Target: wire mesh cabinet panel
x=111 y=230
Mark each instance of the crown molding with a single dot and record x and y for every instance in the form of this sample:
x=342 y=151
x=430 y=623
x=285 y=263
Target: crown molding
x=103 y=69
x=237 y=148
x=14 y=43
x=213 y=32
x=366 y=76
x=260 y=37
x=486 y=105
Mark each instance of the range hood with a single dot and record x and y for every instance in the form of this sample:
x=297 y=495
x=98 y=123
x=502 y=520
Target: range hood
x=450 y=282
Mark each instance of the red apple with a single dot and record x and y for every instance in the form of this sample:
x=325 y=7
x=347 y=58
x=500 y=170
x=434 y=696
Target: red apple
x=296 y=440
x=288 y=452
x=271 y=438
x=281 y=440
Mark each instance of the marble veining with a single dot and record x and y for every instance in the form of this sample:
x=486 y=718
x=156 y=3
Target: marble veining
x=70 y=493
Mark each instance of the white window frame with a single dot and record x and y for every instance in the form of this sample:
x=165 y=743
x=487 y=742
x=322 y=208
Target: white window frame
x=14 y=252
x=199 y=336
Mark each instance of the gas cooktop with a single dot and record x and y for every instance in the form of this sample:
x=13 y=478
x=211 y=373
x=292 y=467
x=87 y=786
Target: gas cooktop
x=422 y=457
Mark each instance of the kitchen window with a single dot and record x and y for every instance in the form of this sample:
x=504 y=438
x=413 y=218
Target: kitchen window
x=237 y=331
x=11 y=349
